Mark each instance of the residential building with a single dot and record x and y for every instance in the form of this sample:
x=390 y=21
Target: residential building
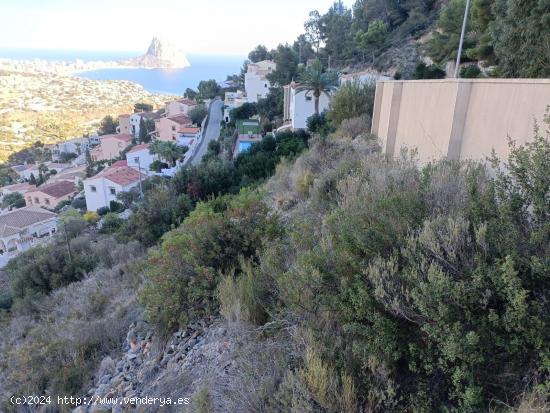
x=21 y=188
x=179 y=107
x=300 y=105
x=189 y=136
x=103 y=188
x=49 y=195
x=124 y=124
x=256 y=84
x=21 y=228
x=457 y=118
x=28 y=170
x=111 y=146
x=25 y=171
x=233 y=100
x=74 y=174
x=169 y=129
x=364 y=77
x=139 y=157
x=75 y=145
x=135 y=121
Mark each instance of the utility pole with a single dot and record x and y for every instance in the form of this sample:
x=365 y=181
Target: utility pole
x=140 y=184
x=464 y=21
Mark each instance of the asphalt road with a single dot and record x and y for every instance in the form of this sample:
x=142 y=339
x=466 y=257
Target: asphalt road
x=211 y=132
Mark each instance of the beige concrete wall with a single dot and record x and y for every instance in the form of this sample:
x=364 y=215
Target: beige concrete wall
x=460 y=119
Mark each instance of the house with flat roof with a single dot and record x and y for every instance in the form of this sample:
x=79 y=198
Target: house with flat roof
x=104 y=187
x=135 y=121
x=232 y=101
x=299 y=105
x=256 y=84
x=21 y=228
x=49 y=195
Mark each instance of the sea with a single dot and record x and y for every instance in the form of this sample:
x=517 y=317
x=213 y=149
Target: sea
x=163 y=81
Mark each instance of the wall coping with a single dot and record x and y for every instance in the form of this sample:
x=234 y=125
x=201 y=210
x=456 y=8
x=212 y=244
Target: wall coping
x=485 y=80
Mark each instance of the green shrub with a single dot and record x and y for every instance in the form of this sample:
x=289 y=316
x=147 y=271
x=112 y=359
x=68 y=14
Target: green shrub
x=470 y=71
x=424 y=71
x=110 y=223
x=102 y=211
x=352 y=100
x=6 y=301
x=183 y=272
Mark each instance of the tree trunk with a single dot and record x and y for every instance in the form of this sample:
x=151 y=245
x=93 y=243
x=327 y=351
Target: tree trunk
x=316 y=103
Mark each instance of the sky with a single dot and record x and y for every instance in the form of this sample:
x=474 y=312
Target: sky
x=228 y=27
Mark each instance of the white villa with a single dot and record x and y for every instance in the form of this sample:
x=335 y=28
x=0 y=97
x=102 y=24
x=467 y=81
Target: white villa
x=21 y=228
x=103 y=188
x=140 y=158
x=233 y=100
x=300 y=105
x=256 y=84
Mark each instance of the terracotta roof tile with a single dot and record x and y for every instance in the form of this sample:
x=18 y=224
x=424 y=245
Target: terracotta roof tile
x=121 y=162
x=125 y=137
x=181 y=119
x=139 y=147
x=188 y=102
x=120 y=174
x=56 y=189
x=190 y=130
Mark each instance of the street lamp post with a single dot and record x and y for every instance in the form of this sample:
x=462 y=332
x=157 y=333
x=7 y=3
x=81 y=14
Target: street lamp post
x=464 y=21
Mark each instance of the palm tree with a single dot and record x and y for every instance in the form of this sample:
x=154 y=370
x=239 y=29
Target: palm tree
x=314 y=80
x=169 y=151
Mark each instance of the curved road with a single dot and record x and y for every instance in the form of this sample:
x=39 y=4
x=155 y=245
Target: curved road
x=211 y=132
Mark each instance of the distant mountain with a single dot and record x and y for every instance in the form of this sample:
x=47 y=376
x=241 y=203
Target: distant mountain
x=160 y=54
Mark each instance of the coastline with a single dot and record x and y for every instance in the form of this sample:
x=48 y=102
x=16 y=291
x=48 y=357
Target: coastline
x=68 y=68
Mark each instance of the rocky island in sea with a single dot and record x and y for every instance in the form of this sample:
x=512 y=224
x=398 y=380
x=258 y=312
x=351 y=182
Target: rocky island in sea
x=161 y=54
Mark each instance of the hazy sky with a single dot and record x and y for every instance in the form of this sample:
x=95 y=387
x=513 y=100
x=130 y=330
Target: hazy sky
x=196 y=26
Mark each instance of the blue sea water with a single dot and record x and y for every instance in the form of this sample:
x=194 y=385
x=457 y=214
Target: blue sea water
x=167 y=81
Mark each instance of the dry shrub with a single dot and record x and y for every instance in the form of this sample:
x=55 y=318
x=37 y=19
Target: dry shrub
x=228 y=297
x=533 y=403
x=304 y=182
x=354 y=127
x=241 y=297
x=203 y=401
